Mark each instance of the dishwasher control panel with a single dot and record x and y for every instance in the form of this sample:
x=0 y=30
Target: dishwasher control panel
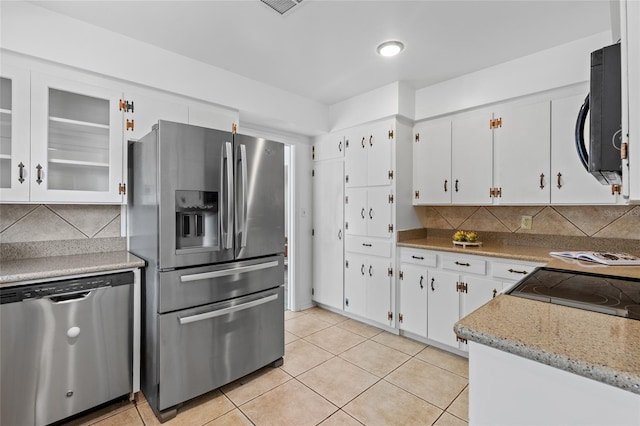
x=53 y=288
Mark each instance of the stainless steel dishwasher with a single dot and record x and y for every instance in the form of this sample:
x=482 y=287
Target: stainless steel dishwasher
x=65 y=347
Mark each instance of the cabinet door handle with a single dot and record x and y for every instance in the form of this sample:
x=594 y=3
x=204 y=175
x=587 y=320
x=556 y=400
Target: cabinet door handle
x=456 y=185
x=421 y=278
x=418 y=257
x=370 y=270
x=371 y=140
x=370 y=213
x=363 y=143
x=362 y=212
x=559 y=183
x=462 y=264
x=432 y=287
x=21 y=172
x=362 y=269
x=339 y=234
x=38 y=174
x=340 y=146
x=445 y=185
x=541 y=180
x=515 y=271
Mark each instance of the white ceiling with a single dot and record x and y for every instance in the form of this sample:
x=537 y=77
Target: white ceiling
x=325 y=49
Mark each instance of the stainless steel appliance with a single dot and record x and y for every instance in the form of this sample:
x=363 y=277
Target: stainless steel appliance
x=603 y=106
x=206 y=211
x=594 y=292
x=65 y=347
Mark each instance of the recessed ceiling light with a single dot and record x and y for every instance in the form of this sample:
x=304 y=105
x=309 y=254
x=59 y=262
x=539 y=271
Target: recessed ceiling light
x=390 y=48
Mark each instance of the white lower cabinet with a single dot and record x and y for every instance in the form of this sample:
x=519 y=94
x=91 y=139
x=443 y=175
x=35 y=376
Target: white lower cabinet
x=436 y=289
x=367 y=287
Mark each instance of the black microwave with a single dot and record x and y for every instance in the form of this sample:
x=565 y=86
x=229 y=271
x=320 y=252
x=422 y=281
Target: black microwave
x=603 y=108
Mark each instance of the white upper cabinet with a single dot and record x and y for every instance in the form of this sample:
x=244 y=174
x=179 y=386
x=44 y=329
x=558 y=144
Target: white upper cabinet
x=471 y=159
x=570 y=182
x=521 y=149
x=76 y=141
x=432 y=163
x=328 y=147
x=15 y=166
x=368 y=212
x=368 y=155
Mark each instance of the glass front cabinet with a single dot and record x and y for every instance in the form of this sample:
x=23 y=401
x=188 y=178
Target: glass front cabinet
x=76 y=142
x=60 y=140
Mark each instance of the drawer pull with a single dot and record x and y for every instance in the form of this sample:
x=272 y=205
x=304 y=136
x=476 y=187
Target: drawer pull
x=418 y=257
x=227 y=311
x=366 y=245
x=462 y=263
x=515 y=271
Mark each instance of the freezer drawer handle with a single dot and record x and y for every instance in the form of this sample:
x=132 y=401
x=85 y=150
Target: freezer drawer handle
x=226 y=311
x=226 y=272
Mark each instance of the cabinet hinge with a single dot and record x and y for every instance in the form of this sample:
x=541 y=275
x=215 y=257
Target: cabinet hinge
x=400 y=317
x=125 y=106
x=495 y=123
x=462 y=287
x=390 y=316
x=390 y=272
x=313 y=232
x=460 y=339
x=122 y=189
x=346 y=143
x=346 y=302
x=623 y=151
x=129 y=125
x=616 y=189
x=401 y=275
x=495 y=192
x=313 y=172
x=390 y=174
x=346 y=225
x=313 y=152
x=313 y=291
x=390 y=134
x=346 y=199
x=391 y=198
x=346 y=178
x=390 y=227
x=417 y=137
x=234 y=128
x=417 y=195
x=346 y=263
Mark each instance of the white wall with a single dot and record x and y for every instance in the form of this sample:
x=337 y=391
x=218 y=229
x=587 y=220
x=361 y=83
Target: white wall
x=553 y=68
x=35 y=31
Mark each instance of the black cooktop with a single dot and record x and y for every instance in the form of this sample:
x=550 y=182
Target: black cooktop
x=594 y=292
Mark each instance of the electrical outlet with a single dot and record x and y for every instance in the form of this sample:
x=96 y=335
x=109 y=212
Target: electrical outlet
x=526 y=222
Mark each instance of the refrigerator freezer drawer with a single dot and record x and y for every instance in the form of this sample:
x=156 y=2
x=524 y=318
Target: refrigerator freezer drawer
x=204 y=348
x=185 y=288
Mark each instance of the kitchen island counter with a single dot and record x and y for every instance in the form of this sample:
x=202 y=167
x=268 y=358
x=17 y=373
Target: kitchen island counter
x=20 y=271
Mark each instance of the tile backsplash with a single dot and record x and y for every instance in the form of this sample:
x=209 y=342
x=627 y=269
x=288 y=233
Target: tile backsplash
x=621 y=222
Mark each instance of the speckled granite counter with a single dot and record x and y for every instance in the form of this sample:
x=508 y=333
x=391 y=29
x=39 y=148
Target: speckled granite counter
x=598 y=346
x=41 y=268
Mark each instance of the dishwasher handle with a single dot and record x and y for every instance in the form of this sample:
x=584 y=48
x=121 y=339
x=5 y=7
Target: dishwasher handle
x=227 y=311
x=226 y=272
x=69 y=297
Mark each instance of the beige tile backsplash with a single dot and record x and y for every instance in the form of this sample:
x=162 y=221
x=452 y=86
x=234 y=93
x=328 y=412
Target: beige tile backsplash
x=621 y=222
x=20 y=223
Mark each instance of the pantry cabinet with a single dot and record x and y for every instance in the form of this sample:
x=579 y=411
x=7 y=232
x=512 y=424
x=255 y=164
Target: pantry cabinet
x=76 y=141
x=15 y=160
x=368 y=155
x=328 y=147
x=368 y=211
x=368 y=286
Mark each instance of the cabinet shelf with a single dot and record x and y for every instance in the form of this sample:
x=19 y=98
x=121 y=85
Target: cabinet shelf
x=5 y=111
x=79 y=123
x=78 y=163
x=5 y=156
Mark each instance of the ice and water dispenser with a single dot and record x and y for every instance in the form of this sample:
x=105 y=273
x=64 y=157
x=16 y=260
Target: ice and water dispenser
x=197 y=222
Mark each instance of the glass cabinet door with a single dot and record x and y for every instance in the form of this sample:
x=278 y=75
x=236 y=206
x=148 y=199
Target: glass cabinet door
x=76 y=143
x=14 y=134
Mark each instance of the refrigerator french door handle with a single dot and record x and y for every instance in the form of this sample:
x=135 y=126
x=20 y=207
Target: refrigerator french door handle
x=226 y=272
x=243 y=161
x=229 y=201
x=227 y=311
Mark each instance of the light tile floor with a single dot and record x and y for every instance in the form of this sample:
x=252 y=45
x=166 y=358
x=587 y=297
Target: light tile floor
x=337 y=371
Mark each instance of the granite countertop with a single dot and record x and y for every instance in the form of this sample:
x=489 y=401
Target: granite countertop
x=42 y=268
x=594 y=345
x=524 y=253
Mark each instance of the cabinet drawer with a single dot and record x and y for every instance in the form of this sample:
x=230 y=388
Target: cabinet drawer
x=368 y=246
x=417 y=257
x=466 y=265
x=511 y=271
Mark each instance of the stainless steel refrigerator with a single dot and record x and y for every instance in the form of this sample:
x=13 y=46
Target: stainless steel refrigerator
x=206 y=211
